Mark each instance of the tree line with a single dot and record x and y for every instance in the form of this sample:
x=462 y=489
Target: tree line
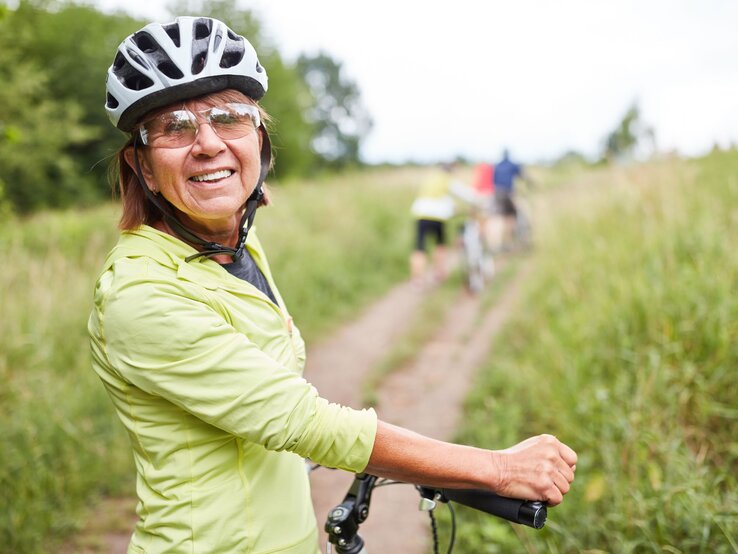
x=56 y=141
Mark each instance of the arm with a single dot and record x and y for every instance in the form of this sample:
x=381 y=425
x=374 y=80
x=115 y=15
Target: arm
x=180 y=350
x=539 y=468
x=463 y=192
x=526 y=178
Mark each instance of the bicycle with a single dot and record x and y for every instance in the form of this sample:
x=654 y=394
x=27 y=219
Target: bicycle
x=343 y=521
x=479 y=265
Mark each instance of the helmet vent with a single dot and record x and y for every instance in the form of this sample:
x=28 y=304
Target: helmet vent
x=111 y=103
x=173 y=31
x=137 y=81
x=233 y=52
x=132 y=78
x=200 y=35
x=198 y=63
x=216 y=41
x=119 y=61
x=259 y=67
x=202 y=29
x=145 y=42
x=168 y=68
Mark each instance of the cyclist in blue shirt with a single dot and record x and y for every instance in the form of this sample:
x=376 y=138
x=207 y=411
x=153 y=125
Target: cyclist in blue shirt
x=505 y=173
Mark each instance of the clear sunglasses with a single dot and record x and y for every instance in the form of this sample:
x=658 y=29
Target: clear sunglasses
x=179 y=128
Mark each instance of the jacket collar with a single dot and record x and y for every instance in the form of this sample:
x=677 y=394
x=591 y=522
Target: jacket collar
x=169 y=251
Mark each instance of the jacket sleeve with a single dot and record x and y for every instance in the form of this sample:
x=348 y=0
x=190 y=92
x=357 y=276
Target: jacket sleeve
x=169 y=344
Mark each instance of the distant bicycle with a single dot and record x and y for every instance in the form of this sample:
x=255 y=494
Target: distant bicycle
x=478 y=262
x=342 y=524
x=517 y=238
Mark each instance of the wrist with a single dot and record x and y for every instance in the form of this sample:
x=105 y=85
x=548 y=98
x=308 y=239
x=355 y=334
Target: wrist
x=498 y=478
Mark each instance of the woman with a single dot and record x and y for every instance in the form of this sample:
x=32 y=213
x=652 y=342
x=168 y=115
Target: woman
x=192 y=339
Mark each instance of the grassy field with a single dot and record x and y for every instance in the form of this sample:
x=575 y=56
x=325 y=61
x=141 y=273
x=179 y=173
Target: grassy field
x=333 y=246
x=627 y=349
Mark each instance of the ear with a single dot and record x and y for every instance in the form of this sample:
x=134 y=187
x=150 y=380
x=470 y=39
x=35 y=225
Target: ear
x=143 y=160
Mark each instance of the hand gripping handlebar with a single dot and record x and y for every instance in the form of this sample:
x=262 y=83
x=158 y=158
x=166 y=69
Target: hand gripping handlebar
x=526 y=512
x=343 y=521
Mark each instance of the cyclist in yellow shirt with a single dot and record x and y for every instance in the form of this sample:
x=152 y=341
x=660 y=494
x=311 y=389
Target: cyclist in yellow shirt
x=435 y=203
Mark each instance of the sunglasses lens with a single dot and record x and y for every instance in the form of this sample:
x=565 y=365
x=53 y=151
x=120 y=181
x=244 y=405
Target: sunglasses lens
x=233 y=120
x=179 y=128
x=171 y=129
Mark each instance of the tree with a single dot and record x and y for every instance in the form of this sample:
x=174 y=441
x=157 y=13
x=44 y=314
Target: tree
x=37 y=132
x=631 y=132
x=340 y=120
x=75 y=46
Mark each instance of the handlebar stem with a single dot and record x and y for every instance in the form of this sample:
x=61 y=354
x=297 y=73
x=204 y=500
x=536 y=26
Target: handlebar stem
x=342 y=525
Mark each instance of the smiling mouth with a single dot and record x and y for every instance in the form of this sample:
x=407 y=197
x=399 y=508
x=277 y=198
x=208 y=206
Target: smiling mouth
x=214 y=176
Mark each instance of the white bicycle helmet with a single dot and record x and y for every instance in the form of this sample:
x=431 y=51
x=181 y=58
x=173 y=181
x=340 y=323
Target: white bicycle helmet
x=165 y=63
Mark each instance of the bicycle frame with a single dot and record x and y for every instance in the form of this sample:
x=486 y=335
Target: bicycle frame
x=342 y=524
x=477 y=259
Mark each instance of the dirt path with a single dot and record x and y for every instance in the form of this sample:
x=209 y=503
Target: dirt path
x=426 y=395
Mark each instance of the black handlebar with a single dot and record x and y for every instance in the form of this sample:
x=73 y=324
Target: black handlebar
x=343 y=521
x=526 y=512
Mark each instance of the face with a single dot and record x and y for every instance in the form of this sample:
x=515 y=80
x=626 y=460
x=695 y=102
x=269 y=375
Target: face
x=207 y=181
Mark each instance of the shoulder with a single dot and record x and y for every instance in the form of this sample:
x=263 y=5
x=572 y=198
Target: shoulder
x=132 y=288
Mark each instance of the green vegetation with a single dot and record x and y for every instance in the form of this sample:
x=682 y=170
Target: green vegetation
x=626 y=349
x=333 y=247
x=55 y=137
x=336 y=141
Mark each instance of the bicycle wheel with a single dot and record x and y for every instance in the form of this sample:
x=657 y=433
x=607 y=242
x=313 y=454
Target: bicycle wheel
x=474 y=265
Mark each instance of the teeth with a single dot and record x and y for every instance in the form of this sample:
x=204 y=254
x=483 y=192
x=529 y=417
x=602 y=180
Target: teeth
x=222 y=174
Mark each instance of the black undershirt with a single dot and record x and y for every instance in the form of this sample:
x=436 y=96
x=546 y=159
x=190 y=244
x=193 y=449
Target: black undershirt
x=245 y=268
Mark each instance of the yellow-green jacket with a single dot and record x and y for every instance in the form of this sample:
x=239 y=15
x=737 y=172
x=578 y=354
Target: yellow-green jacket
x=206 y=375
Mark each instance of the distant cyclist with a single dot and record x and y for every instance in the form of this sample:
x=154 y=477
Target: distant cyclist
x=483 y=179
x=505 y=174
x=434 y=205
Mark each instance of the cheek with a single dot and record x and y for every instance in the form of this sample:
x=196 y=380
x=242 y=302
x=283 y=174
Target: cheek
x=251 y=161
x=165 y=169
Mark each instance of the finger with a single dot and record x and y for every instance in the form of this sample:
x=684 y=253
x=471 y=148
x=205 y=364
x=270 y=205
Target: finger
x=555 y=497
x=569 y=456
x=561 y=482
x=566 y=472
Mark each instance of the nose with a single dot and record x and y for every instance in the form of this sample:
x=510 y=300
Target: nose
x=207 y=142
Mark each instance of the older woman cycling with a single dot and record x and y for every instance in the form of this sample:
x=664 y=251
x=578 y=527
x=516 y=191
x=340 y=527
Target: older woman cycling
x=194 y=343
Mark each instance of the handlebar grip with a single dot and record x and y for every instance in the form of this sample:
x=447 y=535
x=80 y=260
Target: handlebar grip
x=526 y=512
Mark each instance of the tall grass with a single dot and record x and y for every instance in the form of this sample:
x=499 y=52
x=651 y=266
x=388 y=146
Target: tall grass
x=333 y=246
x=627 y=349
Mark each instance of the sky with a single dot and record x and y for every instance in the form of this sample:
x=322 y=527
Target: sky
x=468 y=78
